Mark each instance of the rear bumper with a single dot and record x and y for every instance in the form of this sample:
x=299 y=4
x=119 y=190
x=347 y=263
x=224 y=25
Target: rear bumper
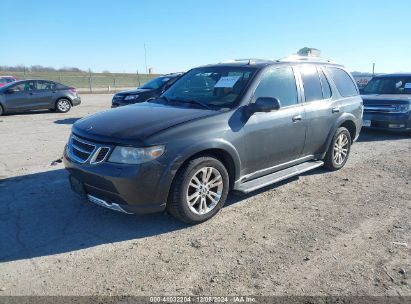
x=389 y=121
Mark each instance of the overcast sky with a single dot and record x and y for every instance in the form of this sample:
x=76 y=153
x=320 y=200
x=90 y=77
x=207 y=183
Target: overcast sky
x=181 y=34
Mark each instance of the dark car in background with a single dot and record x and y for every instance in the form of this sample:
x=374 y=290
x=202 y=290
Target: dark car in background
x=27 y=95
x=151 y=89
x=232 y=126
x=387 y=102
x=5 y=80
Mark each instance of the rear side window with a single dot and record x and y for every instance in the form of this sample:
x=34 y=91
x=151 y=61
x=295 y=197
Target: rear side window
x=311 y=81
x=278 y=83
x=325 y=84
x=343 y=81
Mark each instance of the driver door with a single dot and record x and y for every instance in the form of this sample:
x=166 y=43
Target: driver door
x=19 y=97
x=276 y=137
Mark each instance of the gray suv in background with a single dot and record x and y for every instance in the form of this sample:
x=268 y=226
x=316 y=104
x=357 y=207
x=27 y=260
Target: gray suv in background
x=27 y=95
x=238 y=126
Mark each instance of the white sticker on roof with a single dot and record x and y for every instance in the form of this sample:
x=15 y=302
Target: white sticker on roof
x=407 y=85
x=227 y=82
x=166 y=79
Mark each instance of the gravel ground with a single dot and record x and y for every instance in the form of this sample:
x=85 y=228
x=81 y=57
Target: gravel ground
x=323 y=233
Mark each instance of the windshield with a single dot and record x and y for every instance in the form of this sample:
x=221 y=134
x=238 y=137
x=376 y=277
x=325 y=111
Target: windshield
x=211 y=86
x=388 y=85
x=155 y=83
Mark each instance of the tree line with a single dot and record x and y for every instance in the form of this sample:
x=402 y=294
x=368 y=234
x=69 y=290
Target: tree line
x=37 y=68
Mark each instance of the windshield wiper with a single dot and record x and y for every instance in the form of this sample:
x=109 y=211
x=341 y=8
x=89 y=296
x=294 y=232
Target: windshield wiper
x=205 y=106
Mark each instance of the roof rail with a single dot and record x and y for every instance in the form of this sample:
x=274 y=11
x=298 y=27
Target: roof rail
x=248 y=61
x=305 y=58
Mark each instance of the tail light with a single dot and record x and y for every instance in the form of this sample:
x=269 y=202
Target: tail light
x=73 y=90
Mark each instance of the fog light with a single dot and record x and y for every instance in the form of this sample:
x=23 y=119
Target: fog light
x=395 y=126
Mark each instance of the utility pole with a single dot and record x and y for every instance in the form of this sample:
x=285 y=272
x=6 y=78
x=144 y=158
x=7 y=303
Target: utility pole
x=145 y=57
x=373 y=69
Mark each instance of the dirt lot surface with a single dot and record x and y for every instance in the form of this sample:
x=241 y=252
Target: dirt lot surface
x=323 y=233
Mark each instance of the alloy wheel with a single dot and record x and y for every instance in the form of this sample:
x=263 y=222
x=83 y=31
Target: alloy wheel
x=340 y=150
x=63 y=105
x=204 y=190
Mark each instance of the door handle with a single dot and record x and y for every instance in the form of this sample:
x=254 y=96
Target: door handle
x=297 y=118
x=335 y=110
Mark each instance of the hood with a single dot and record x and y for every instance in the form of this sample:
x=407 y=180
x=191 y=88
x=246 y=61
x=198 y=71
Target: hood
x=134 y=123
x=135 y=91
x=386 y=99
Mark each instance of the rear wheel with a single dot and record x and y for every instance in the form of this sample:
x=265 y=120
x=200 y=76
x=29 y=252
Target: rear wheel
x=1 y=110
x=199 y=190
x=63 y=105
x=338 y=150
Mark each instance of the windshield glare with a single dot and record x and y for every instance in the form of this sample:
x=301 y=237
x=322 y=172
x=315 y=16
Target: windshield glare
x=155 y=83
x=388 y=85
x=213 y=86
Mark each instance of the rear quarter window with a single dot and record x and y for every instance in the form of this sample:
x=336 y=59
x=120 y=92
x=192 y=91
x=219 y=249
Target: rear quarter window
x=343 y=82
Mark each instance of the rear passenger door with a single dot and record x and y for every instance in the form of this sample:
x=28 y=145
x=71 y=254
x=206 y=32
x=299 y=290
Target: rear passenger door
x=321 y=109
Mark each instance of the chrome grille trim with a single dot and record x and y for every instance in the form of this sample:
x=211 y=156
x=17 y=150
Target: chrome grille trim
x=91 y=155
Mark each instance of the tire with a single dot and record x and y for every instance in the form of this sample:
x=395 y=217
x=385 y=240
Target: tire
x=63 y=105
x=339 y=150
x=1 y=110
x=190 y=199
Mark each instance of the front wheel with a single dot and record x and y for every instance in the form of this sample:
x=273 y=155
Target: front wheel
x=338 y=150
x=63 y=105
x=199 y=190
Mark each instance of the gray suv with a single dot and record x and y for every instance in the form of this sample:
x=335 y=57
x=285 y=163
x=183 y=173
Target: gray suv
x=238 y=126
x=27 y=95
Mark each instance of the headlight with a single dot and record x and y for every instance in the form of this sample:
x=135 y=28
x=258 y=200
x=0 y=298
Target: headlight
x=403 y=108
x=131 y=97
x=130 y=155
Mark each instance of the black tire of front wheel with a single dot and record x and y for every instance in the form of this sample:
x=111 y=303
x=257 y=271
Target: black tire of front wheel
x=177 y=204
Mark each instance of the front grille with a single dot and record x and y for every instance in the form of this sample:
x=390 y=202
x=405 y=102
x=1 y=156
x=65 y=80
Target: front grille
x=83 y=145
x=100 y=155
x=83 y=151
x=380 y=109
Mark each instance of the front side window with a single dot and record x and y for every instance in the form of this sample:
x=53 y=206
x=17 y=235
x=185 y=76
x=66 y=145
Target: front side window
x=388 y=85
x=311 y=82
x=23 y=86
x=278 y=83
x=212 y=87
x=343 y=81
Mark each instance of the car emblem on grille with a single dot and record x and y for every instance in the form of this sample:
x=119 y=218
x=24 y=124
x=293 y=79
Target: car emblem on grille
x=89 y=128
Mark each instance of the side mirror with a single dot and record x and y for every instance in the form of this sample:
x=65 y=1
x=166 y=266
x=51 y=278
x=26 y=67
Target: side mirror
x=263 y=104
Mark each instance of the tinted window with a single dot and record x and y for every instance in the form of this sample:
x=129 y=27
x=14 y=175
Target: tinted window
x=278 y=83
x=343 y=81
x=44 y=85
x=324 y=84
x=311 y=82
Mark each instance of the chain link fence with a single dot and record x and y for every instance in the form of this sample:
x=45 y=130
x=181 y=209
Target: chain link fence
x=88 y=82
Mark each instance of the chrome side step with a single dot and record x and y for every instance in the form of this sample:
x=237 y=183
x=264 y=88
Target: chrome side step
x=277 y=176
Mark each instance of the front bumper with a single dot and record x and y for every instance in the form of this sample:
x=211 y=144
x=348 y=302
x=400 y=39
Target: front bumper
x=76 y=101
x=126 y=188
x=389 y=121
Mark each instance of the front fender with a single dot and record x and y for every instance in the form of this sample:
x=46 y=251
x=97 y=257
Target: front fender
x=178 y=160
